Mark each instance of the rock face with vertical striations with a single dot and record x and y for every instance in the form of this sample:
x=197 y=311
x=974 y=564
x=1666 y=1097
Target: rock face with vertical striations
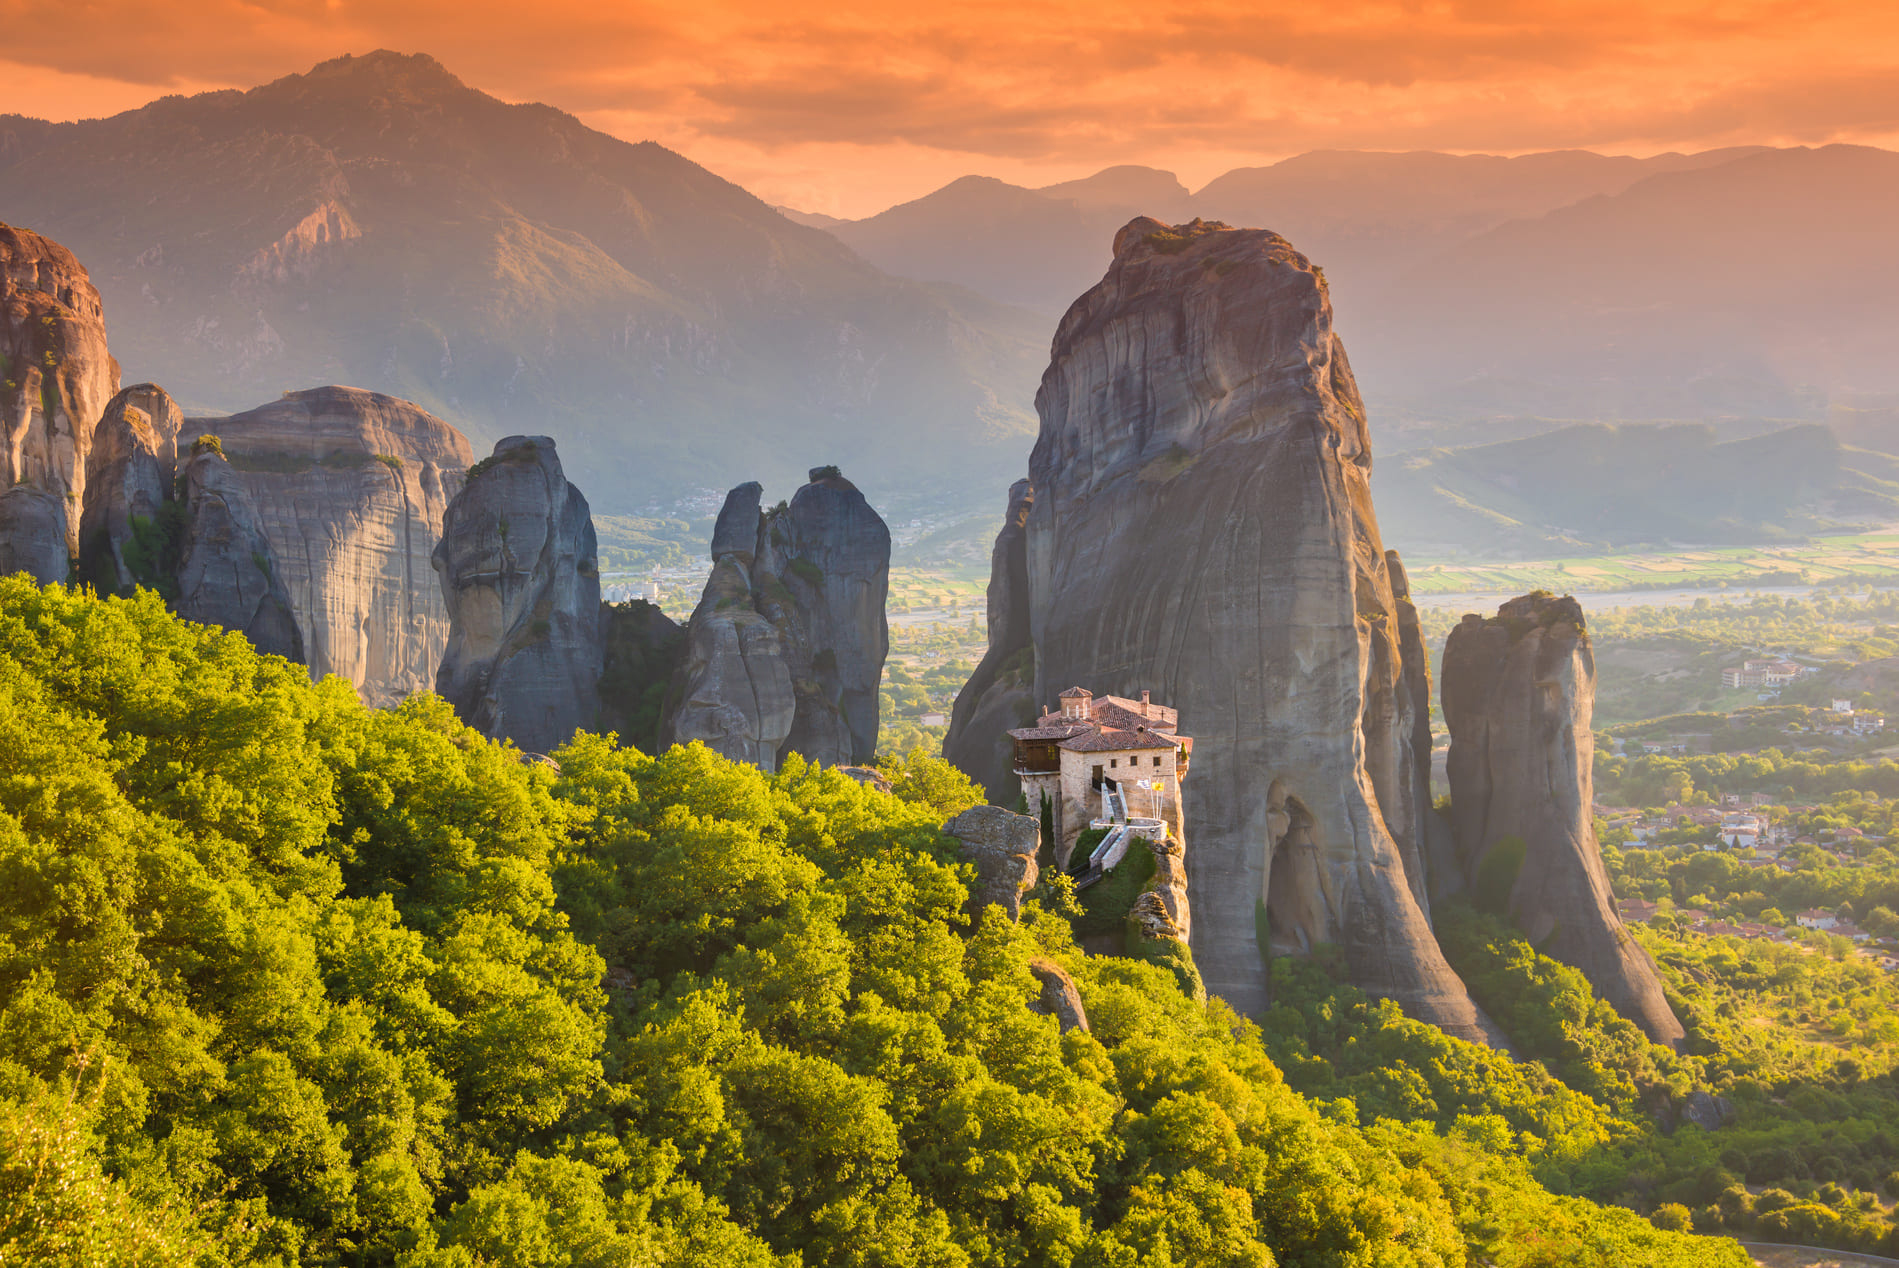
x=734 y=692
x=521 y=584
x=1433 y=868
x=822 y=576
x=33 y=533
x=1001 y=693
x=1519 y=692
x=351 y=487
x=227 y=573
x=56 y=376
x=1203 y=526
x=130 y=476
x=185 y=528
x=785 y=652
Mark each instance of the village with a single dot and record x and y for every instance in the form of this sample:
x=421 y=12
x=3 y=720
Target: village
x=1743 y=827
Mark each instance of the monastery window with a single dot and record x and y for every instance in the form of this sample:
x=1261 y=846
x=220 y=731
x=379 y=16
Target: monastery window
x=1113 y=762
x=1157 y=759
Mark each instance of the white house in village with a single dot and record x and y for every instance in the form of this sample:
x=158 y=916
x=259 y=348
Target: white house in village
x=1774 y=673
x=1093 y=748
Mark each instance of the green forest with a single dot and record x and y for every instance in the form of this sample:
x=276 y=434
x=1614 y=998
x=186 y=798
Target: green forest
x=286 y=980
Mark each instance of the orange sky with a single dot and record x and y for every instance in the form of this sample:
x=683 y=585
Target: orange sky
x=847 y=107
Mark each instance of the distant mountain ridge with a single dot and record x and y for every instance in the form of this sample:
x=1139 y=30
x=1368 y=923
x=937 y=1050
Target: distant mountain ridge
x=1728 y=284
x=377 y=222
x=1349 y=210
x=1592 y=487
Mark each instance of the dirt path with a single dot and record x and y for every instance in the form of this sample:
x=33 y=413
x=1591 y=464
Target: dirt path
x=1770 y=1256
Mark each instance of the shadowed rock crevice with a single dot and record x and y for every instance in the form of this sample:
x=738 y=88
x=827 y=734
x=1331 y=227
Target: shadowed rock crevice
x=1000 y=694
x=641 y=650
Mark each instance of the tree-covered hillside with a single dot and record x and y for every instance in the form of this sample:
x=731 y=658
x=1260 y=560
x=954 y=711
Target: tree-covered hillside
x=284 y=980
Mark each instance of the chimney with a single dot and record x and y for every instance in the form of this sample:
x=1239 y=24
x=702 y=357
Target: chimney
x=1144 y=712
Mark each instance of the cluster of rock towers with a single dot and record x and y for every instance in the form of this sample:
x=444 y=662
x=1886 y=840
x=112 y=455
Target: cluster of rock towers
x=1197 y=520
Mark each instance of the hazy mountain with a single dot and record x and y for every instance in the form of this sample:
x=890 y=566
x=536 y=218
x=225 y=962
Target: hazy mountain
x=1000 y=240
x=1362 y=214
x=1595 y=486
x=1135 y=191
x=378 y=223
x=810 y=219
x=1766 y=285
x=1738 y=283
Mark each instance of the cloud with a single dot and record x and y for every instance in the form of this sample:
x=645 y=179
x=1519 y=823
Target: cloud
x=756 y=87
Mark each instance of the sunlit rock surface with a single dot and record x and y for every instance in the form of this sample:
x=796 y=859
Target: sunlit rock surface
x=351 y=487
x=1519 y=692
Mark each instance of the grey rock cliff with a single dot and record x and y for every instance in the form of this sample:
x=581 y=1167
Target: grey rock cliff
x=33 y=533
x=822 y=576
x=785 y=652
x=1432 y=864
x=1002 y=845
x=734 y=691
x=1518 y=695
x=130 y=476
x=1163 y=910
x=227 y=572
x=1000 y=694
x=521 y=583
x=187 y=529
x=351 y=488
x=1060 y=998
x=1203 y=527
x=735 y=532
x=56 y=376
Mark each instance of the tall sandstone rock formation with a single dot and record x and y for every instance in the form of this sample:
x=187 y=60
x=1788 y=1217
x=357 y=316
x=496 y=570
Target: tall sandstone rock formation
x=822 y=576
x=520 y=582
x=1202 y=526
x=352 y=488
x=185 y=528
x=56 y=377
x=130 y=479
x=785 y=652
x=734 y=693
x=1000 y=694
x=227 y=573
x=1519 y=692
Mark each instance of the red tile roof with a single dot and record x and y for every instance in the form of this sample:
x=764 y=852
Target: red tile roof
x=1112 y=741
x=1050 y=732
x=1114 y=716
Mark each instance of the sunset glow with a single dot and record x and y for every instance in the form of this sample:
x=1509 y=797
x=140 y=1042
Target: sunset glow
x=846 y=108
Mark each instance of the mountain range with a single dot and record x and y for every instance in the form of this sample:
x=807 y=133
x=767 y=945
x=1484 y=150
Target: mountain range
x=377 y=222
x=1736 y=283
